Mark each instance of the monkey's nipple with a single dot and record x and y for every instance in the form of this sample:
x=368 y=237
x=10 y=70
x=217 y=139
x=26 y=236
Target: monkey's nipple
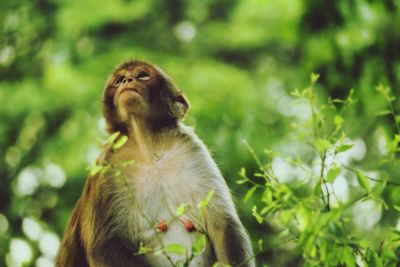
x=162 y=226
x=189 y=225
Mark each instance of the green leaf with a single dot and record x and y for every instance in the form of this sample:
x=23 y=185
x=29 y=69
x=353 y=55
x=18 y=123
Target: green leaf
x=128 y=163
x=332 y=174
x=375 y=260
x=348 y=257
x=317 y=188
x=322 y=144
x=388 y=256
x=362 y=180
x=364 y=243
x=314 y=77
x=383 y=112
x=260 y=244
x=180 y=210
x=382 y=89
x=396 y=207
x=113 y=137
x=296 y=93
x=96 y=169
x=143 y=249
x=310 y=247
x=175 y=248
x=324 y=251
x=379 y=188
x=204 y=202
x=338 y=120
x=343 y=148
x=259 y=219
x=268 y=209
x=249 y=194
x=267 y=196
x=241 y=181
x=219 y=264
x=199 y=245
x=242 y=172
x=121 y=141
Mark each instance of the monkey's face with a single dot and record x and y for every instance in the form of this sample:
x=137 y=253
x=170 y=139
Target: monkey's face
x=141 y=90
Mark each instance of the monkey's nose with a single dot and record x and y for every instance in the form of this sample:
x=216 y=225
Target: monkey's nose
x=127 y=79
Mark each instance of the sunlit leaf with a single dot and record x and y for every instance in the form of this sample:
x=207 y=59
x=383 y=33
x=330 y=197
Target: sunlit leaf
x=348 y=257
x=219 y=264
x=383 y=112
x=260 y=244
x=242 y=172
x=362 y=180
x=314 y=77
x=199 y=245
x=204 y=202
x=296 y=93
x=375 y=260
x=241 y=181
x=128 y=163
x=95 y=170
x=343 y=148
x=256 y=215
x=175 y=248
x=396 y=207
x=379 y=188
x=267 y=196
x=332 y=174
x=120 y=142
x=338 y=120
x=317 y=188
x=249 y=193
x=143 y=249
x=113 y=137
x=180 y=210
x=322 y=144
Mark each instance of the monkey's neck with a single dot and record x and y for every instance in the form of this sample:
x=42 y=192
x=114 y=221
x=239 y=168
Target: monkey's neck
x=145 y=140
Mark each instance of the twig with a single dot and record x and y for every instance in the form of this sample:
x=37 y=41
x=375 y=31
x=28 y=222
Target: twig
x=370 y=178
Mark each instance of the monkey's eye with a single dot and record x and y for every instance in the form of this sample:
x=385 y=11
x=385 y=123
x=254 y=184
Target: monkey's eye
x=120 y=79
x=143 y=76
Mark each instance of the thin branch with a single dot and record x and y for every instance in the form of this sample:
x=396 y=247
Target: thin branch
x=372 y=179
x=321 y=176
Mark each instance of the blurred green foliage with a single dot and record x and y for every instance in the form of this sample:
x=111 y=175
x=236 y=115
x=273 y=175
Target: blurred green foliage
x=237 y=61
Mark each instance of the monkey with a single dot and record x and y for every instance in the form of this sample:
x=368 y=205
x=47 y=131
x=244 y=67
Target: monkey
x=127 y=214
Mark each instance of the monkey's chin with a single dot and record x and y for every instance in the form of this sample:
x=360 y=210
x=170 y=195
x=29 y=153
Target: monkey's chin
x=131 y=106
x=130 y=100
x=128 y=95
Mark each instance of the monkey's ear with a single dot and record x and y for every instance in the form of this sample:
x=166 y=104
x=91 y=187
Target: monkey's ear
x=183 y=104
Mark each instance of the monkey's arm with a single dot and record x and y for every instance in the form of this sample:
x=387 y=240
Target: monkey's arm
x=71 y=251
x=91 y=237
x=230 y=241
x=227 y=234
x=106 y=243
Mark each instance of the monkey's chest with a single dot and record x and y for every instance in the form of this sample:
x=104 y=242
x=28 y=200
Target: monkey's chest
x=164 y=217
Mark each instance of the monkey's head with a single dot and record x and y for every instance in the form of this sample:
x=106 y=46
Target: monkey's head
x=142 y=91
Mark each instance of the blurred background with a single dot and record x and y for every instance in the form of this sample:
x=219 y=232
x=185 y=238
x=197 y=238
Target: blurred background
x=236 y=60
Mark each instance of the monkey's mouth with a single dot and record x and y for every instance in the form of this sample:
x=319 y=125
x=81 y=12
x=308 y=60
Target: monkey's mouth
x=130 y=90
